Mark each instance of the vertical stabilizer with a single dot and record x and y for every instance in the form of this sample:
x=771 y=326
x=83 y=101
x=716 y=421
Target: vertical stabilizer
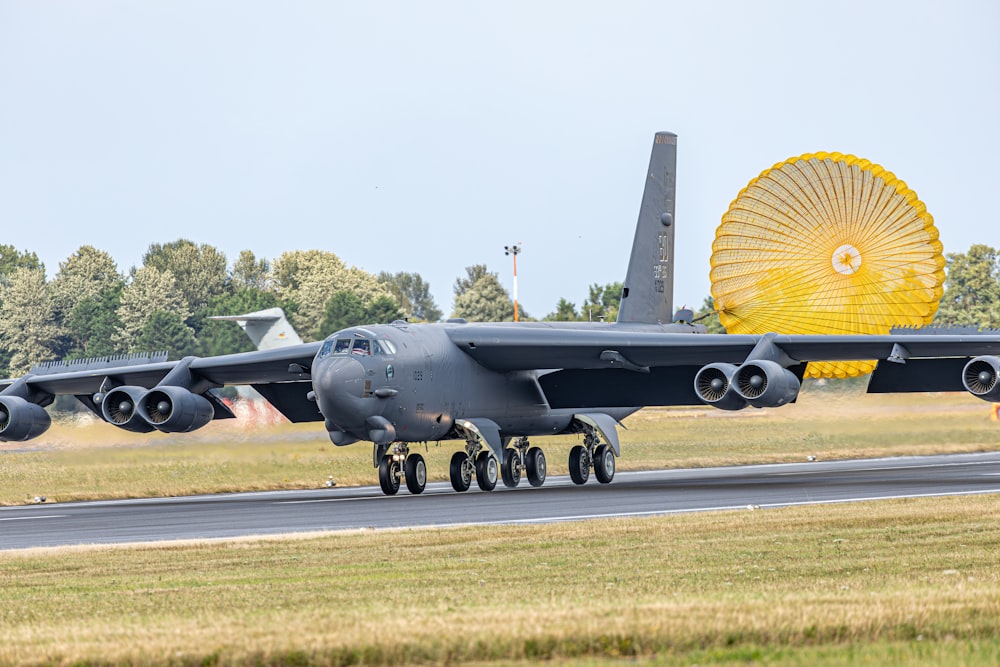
x=648 y=293
x=267 y=329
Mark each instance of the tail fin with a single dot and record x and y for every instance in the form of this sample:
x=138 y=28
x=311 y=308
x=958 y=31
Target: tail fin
x=648 y=293
x=267 y=329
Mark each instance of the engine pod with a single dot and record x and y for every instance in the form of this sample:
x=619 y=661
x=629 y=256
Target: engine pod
x=175 y=409
x=21 y=420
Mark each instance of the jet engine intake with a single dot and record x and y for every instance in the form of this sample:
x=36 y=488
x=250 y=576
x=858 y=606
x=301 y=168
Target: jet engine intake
x=21 y=419
x=765 y=384
x=174 y=409
x=979 y=377
x=714 y=385
x=118 y=407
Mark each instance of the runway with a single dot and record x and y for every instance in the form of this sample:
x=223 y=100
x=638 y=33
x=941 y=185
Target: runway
x=631 y=494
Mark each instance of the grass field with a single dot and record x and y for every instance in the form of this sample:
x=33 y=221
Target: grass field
x=96 y=460
x=913 y=582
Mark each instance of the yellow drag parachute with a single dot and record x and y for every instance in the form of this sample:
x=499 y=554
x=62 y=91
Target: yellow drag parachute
x=826 y=243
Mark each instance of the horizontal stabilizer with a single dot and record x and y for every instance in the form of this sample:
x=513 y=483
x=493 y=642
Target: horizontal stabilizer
x=267 y=329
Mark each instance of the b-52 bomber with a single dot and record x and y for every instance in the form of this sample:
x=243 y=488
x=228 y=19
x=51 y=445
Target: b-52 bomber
x=491 y=387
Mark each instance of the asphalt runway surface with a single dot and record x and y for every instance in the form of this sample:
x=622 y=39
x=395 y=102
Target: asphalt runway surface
x=647 y=493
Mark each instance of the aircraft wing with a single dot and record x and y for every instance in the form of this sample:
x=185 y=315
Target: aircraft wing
x=505 y=348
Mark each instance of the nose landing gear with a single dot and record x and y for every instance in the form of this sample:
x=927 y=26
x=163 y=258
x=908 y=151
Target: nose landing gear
x=395 y=463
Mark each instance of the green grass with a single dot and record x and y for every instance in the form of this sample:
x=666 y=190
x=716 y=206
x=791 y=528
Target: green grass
x=82 y=462
x=910 y=581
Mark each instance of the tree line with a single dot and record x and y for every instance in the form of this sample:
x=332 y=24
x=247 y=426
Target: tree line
x=92 y=309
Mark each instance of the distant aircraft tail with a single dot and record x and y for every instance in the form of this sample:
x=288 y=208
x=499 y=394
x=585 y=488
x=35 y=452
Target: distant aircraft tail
x=648 y=293
x=267 y=329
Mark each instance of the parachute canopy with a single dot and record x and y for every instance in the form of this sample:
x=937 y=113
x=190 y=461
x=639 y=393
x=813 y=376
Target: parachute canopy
x=826 y=243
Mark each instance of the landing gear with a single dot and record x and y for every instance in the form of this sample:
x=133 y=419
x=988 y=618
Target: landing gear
x=591 y=454
x=534 y=465
x=416 y=474
x=579 y=464
x=486 y=471
x=604 y=464
x=394 y=463
x=461 y=471
x=388 y=474
x=514 y=462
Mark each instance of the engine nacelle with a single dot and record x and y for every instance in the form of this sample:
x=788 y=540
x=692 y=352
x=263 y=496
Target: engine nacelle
x=979 y=377
x=118 y=407
x=765 y=384
x=21 y=420
x=175 y=410
x=714 y=385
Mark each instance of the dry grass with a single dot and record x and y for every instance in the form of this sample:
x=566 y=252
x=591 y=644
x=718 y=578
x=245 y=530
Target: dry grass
x=92 y=461
x=915 y=580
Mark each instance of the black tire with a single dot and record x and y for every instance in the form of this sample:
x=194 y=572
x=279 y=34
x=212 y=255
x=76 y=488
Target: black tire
x=579 y=467
x=486 y=471
x=388 y=475
x=534 y=465
x=511 y=468
x=460 y=471
x=416 y=474
x=604 y=464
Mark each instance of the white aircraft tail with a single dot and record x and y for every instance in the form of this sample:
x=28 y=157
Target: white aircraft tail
x=267 y=329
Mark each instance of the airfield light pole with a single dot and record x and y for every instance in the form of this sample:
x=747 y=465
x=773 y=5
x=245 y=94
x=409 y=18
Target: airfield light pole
x=514 y=250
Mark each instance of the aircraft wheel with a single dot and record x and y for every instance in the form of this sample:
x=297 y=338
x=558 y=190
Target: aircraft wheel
x=486 y=471
x=388 y=475
x=461 y=471
x=534 y=465
x=416 y=474
x=579 y=466
x=604 y=464
x=511 y=468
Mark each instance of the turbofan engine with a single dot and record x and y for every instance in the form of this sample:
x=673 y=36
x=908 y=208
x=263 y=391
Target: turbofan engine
x=979 y=377
x=21 y=420
x=169 y=409
x=714 y=385
x=765 y=384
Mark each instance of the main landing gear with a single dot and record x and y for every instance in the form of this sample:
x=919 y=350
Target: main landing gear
x=591 y=454
x=395 y=463
x=474 y=460
x=522 y=457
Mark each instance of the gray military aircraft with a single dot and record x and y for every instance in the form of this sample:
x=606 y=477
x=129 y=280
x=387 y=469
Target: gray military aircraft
x=493 y=386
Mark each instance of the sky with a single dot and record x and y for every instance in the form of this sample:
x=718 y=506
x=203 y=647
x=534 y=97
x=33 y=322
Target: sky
x=426 y=136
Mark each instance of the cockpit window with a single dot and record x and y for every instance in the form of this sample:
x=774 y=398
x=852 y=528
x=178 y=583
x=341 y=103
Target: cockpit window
x=361 y=346
x=388 y=346
x=343 y=345
x=326 y=349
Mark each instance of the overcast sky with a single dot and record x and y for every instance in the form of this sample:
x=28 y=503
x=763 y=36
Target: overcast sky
x=426 y=136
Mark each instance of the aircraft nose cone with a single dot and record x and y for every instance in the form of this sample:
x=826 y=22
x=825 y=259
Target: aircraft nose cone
x=339 y=384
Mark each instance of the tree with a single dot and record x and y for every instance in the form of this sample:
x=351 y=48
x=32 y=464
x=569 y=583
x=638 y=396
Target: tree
x=27 y=324
x=92 y=324
x=306 y=279
x=166 y=331
x=11 y=260
x=602 y=303
x=565 y=312
x=382 y=310
x=472 y=275
x=200 y=271
x=485 y=301
x=412 y=294
x=250 y=273
x=85 y=274
x=345 y=309
x=150 y=290
x=971 y=289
